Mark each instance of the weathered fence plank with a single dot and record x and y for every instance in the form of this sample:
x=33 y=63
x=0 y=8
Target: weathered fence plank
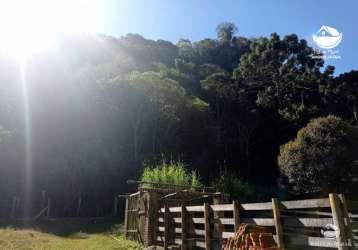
x=236 y=215
x=277 y=220
x=184 y=227
x=207 y=226
x=126 y=219
x=166 y=227
x=338 y=221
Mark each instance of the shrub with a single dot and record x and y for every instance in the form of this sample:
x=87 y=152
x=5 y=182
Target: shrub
x=322 y=158
x=230 y=184
x=170 y=172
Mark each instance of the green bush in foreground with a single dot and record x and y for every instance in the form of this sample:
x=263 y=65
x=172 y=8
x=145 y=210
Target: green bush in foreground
x=170 y=172
x=322 y=158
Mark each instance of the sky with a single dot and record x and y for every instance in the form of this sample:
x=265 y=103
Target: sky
x=197 y=19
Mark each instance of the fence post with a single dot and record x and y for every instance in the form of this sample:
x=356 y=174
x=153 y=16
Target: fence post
x=184 y=227
x=338 y=221
x=126 y=219
x=207 y=226
x=236 y=214
x=348 y=219
x=166 y=227
x=277 y=220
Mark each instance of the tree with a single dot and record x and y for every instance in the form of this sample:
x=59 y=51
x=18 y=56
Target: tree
x=322 y=158
x=225 y=31
x=279 y=74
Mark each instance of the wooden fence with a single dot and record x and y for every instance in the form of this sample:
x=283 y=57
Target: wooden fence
x=131 y=217
x=299 y=224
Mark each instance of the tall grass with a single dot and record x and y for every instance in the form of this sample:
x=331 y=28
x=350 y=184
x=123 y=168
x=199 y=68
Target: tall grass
x=170 y=172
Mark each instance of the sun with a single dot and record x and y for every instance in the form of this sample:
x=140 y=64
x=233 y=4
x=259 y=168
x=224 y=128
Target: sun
x=29 y=26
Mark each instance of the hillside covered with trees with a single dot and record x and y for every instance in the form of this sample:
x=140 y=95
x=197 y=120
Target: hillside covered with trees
x=100 y=106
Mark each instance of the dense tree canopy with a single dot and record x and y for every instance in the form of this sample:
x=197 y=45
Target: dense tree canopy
x=100 y=106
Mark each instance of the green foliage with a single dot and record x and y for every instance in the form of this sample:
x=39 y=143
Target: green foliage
x=225 y=31
x=322 y=158
x=170 y=172
x=229 y=183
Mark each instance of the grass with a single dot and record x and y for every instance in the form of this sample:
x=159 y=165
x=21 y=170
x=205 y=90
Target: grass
x=170 y=172
x=28 y=239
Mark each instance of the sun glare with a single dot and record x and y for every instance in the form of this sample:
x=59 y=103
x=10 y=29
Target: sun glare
x=29 y=26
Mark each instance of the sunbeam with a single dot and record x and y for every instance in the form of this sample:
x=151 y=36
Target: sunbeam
x=28 y=140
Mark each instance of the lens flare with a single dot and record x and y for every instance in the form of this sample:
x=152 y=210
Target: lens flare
x=27 y=26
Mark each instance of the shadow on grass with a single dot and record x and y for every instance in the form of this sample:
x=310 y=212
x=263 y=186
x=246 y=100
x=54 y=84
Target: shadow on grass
x=65 y=226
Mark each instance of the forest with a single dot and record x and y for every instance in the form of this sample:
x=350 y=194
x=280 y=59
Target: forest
x=100 y=108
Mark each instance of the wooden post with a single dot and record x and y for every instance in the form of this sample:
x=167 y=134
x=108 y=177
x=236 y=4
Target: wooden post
x=151 y=218
x=277 y=220
x=126 y=219
x=338 y=221
x=183 y=227
x=348 y=220
x=166 y=227
x=48 y=207
x=207 y=226
x=236 y=214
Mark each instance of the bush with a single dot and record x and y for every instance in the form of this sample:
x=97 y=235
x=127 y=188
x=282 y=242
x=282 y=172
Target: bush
x=230 y=184
x=170 y=172
x=322 y=158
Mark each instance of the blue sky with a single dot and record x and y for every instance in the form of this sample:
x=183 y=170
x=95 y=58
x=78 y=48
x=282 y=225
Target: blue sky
x=197 y=19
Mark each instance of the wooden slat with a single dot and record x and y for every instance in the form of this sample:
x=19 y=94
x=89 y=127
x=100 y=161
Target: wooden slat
x=222 y=207
x=312 y=241
x=226 y=221
x=199 y=232
x=172 y=210
x=307 y=222
x=177 y=219
x=195 y=208
x=134 y=194
x=287 y=211
x=259 y=221
x=198 y=220
x=200 y=244
x=311 y=203
x=226 y=235
x=257 y=206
